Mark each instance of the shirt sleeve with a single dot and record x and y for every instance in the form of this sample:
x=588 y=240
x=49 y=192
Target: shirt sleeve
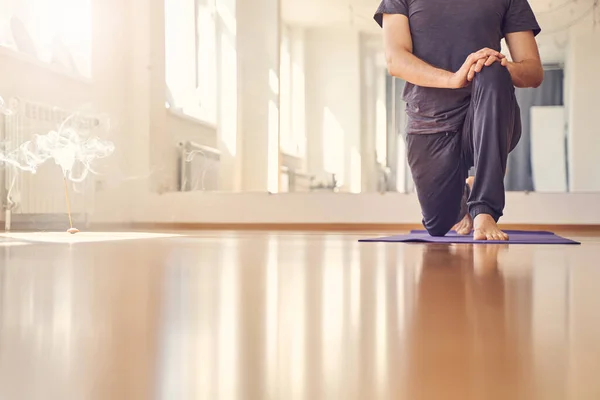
x=520 y=18
x=390 y=7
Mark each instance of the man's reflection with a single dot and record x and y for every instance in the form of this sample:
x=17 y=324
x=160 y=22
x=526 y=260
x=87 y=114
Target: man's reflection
x=460 y=344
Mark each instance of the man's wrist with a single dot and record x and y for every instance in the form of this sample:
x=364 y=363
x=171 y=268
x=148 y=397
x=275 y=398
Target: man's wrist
x=450 y=81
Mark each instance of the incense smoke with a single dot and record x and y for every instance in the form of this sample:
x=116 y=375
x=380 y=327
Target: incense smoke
x=69 y=148
x=4 y=108
x=65 y=146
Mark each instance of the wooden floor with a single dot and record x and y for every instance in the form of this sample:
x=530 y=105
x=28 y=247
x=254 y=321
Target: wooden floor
x=225 y=315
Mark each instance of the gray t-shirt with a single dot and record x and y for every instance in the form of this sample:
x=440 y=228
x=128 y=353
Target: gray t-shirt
x=444 y=33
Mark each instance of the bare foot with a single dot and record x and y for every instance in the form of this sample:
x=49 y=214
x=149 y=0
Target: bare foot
x=487 y=229
x=471 y=181
x=465 y=226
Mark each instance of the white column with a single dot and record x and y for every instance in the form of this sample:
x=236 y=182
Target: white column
x=368 y=94
x=333 y=104
x=128 y=71
x=151 y=142
x=111 y=74
x=258 y=40
x=227 y=89
x=583 y=102
x=299 y=90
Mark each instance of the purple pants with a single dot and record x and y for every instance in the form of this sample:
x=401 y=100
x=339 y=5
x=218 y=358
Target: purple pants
x=440 y=162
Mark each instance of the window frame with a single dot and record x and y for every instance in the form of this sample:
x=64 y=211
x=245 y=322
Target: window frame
x=196 y=109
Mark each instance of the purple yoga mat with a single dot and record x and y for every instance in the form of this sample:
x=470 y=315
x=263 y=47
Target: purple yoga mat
x=515 y=237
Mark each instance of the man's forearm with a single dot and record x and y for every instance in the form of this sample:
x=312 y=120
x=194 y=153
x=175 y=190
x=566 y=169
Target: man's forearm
x=412 y=69
x=526 y=74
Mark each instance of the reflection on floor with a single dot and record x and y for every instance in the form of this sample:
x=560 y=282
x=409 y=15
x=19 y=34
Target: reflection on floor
x=81 y=237
x=296 y=316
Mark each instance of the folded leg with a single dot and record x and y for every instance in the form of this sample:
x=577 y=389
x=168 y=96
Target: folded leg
x=439 y=174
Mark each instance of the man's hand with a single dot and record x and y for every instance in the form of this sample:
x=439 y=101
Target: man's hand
x=474 y=64
x=482 y=62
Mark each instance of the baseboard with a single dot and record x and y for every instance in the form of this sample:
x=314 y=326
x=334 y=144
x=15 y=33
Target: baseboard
x=336 y=227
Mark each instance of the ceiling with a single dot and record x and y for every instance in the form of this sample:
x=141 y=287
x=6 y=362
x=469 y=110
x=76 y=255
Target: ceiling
x=555 y=17
x=312 y=13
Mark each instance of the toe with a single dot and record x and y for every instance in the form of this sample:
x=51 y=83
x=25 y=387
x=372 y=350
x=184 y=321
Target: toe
x=479 y=235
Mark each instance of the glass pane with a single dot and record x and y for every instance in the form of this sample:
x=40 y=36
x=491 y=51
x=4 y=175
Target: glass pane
x=57 y=32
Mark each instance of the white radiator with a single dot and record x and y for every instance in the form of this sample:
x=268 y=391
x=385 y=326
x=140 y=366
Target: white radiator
x=43 y=192
x=198 y=167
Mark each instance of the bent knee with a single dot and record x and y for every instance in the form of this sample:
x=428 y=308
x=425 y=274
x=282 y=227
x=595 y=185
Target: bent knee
x=438 y=232
x=438 y=221
x=494 y=75
x=440 y=228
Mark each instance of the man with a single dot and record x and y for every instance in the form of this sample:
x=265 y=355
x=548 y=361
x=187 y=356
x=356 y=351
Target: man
x=461 y=104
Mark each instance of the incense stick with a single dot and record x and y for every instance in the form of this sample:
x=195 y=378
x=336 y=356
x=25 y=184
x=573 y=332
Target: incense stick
x=68 y=203
x=71 y=230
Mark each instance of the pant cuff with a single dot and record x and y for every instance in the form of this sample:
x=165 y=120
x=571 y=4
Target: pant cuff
x=464 y=208
x=483 y=209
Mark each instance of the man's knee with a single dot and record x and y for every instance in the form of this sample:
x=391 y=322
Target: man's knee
x=494 y=76
x=442 y=206
x=438 y=231
x=440 y=226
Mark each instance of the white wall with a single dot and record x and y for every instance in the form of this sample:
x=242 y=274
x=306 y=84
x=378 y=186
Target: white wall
x=34 y=80
x=244 y=53
x=333 y=103
x=128 y=85
x=258 y=31
x=120 y=86
x=368 y=97
x=583 y=104
x=344 y=208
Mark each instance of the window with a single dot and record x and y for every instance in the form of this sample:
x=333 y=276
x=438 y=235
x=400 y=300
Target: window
x=285 y=95
x=191 y=59
x=57 y=32
x=292 y=93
